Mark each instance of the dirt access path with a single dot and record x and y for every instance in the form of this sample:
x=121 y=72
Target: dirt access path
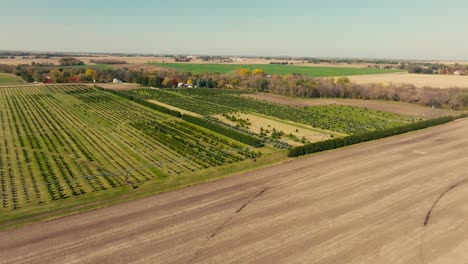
x=363 y=204
x=386 y=106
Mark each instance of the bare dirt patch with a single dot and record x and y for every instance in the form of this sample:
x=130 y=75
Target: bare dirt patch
x=418 y=80
x=386 y=106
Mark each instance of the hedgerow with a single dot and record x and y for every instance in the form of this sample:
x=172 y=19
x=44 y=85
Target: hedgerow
x=368 y=136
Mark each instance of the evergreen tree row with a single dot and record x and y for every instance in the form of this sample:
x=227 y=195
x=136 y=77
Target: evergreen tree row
x=368 y=136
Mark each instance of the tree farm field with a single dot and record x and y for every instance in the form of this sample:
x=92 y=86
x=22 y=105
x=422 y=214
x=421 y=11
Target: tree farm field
x=273 y=69
x=69 y=146
x=336 y=118
x=416 y=111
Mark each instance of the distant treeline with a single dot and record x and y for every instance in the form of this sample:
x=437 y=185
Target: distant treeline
x=437 y=68
x=291 y=85
x=107 y=61
x=70 y=62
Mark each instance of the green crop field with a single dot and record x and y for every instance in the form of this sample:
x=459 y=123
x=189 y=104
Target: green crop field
x=10 y=79
x=273 y=69
x=338 y=118
x=66 y=142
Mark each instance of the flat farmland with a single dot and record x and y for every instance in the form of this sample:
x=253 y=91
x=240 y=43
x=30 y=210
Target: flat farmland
x=368 y=203
x=273 y=69
x=418 y=80
x=64 y=144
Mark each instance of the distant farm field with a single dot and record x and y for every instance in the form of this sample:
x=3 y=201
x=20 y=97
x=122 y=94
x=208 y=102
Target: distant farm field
x=418 y=80
x=10 y=79
x=274 y=69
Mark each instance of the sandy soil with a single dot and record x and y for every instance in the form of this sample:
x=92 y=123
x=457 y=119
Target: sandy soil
x=393 y=107
x=258 y=122
x=418 y=80
x=364 y=204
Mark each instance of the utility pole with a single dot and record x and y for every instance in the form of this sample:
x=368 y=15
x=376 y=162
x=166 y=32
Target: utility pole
x=127 y=179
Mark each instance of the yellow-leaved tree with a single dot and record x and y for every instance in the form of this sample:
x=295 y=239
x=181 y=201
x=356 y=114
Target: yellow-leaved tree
x=258 y=72
x=244 y=71
x=91 y=74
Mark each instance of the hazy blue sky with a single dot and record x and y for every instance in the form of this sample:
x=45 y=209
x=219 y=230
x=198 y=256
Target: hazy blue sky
x=420 y=29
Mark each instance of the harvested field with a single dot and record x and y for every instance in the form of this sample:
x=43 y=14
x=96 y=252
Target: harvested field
x=364 y=204
x=386 y=106
x=418 y=80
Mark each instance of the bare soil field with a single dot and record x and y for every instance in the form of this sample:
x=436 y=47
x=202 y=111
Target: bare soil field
x=386 y=106
x=141 y=61
x=418 y=80
x=397 y=200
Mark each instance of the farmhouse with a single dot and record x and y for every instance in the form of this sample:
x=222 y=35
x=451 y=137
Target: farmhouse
x=47 y=79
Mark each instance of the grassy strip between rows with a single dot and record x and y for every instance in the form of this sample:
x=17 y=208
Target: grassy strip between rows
x=368 y=136
x=238 y=136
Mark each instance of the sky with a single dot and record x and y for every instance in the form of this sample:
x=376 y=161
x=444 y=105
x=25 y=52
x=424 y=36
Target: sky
x=399 y=29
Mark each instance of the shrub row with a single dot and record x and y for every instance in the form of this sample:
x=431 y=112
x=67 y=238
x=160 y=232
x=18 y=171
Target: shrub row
x=241 y=137
x=368 y=136
x=143 y=102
